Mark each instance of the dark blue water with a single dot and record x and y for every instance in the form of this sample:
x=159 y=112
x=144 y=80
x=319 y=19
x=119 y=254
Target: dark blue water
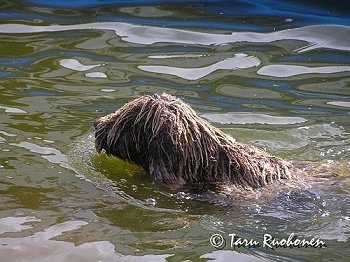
x=257 y=16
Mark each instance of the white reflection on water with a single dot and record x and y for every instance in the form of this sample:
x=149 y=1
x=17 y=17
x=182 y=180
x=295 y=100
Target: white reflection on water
x=40 y=246
x=51 y=154
x=176 y=56
x=252 y=118
x=74 y=64
x=14 y=224
x=318 y=36
x=13 y=110
x=96 y=75
x=7 y=134
x=293 y=70
x=339 y=103
x=229 y=255
x=239 y=61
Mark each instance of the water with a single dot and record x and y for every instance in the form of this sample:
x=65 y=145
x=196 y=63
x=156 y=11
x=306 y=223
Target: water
x=275 y=76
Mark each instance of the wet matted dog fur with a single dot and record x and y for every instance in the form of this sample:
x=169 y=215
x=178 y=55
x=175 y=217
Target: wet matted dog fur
x=176 y=147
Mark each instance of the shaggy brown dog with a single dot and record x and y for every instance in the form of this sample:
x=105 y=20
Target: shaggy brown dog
x=175 y=146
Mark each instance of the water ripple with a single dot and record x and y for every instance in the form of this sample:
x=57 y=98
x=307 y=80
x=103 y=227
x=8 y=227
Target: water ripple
x=239 y=61
x=76 y=65
x=316 y=37
x=294 y=70
x=41 y=246
x=252 y=118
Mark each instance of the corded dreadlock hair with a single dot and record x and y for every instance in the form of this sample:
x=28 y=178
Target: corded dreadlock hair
x=176 y=147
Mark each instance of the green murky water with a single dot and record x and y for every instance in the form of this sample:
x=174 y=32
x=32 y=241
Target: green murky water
x=286 y=90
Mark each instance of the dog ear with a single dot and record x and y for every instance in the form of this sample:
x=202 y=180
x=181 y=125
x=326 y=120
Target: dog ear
x=165 y=159
x=101 y=134
x=162 y=172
